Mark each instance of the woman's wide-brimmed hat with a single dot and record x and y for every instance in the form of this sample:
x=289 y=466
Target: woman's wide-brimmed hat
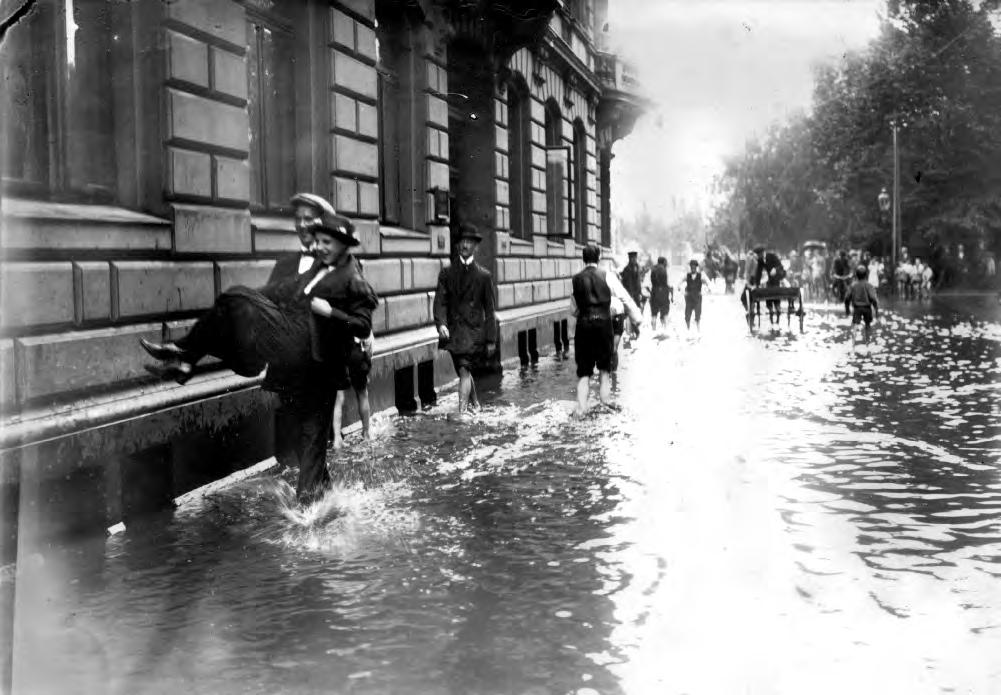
x=337 y=226
x=468 y=231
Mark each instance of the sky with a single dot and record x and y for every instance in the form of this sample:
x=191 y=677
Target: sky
x=719 y=72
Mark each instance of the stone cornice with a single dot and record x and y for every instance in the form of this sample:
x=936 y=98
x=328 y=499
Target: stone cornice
x=500 y=27
x=565 y=59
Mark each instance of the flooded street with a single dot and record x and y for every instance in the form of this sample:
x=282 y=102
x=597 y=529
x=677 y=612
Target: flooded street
x=776 y=513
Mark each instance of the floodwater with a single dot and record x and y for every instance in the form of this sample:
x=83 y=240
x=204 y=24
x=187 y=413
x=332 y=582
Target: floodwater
x=776 y=513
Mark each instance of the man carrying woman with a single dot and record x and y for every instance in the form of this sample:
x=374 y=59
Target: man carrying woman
x=302 y=327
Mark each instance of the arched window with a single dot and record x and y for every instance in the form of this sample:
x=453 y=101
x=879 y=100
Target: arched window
x=519 y=123
x=579 y=185
x=557 y=170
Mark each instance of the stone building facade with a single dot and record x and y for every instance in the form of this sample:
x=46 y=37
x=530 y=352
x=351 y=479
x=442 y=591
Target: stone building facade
x=150 y=149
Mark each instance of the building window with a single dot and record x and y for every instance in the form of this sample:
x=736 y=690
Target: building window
x=392 y=115
x=519 y=120
x=271 y=106
x=401 y=183
x=57 y=104
x=579 y=198
x=389 y=147
x=557 y=172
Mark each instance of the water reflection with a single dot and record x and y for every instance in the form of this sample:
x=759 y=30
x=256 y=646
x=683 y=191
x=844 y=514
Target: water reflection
x=779 y=513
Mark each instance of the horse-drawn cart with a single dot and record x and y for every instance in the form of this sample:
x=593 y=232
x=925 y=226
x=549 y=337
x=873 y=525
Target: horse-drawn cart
x=752 y=298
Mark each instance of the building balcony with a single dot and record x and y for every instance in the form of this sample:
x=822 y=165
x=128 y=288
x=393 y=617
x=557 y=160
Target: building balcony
x=622 y=100
x=500 y=26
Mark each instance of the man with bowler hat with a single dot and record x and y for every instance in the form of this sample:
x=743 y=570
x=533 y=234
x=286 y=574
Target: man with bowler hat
x=464 y=315
x=302 y=326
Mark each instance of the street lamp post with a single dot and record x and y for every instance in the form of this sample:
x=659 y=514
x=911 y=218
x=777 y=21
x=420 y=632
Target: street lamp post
x=896 y=195
x=884 y=202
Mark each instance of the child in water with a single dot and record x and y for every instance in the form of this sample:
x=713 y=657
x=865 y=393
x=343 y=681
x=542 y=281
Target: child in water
x=860 y=301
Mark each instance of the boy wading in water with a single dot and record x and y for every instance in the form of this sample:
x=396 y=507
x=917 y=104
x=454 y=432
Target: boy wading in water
x=860 y=302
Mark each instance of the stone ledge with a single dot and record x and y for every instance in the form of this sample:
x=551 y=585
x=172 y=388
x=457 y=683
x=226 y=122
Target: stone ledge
x=36 y=424
x=36 y=224
x=521 y=247
x=509 y=316
x=273 y=223
x=23 y=208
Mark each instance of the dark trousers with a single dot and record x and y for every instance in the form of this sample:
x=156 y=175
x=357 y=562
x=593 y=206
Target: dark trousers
x=287 y=429
x=314 y=412
x=247 y=331
x=774 y=306
x=693 y=305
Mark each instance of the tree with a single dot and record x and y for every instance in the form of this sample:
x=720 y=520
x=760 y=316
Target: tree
x=935 y=71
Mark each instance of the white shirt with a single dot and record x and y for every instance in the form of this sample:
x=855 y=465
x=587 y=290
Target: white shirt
x=319 y=276
x=466 y=261
x=305 y=261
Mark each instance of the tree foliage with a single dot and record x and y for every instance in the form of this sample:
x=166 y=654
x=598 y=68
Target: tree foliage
x=935 y=72
x=654 y=237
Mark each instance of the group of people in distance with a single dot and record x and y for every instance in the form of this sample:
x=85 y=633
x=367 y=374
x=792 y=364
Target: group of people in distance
x=310 y=325
x=852 y=284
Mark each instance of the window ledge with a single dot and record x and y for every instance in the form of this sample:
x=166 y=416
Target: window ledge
x=26 y=209
x=523 y=243
x=401 y=233
x=272 y=223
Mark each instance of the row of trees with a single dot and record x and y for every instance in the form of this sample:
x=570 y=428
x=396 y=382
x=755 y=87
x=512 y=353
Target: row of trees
x=654 y=237
x=935 y=71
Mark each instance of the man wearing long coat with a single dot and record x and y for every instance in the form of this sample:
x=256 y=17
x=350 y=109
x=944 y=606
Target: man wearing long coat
x=464 y=314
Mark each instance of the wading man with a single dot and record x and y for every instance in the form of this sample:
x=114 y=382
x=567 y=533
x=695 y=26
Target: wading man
x=661 y=294
x=593 y=337
x=307 y=209
x=302 y=327
x=464 y=315
x=694 y=285
x=632 y=280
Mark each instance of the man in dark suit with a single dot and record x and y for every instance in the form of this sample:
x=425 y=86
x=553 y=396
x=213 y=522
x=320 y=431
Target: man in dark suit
x=302 y=327
x=306 y=209
x=464 y=315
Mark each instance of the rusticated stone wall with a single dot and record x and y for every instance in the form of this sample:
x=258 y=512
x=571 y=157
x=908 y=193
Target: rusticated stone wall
x=80 y=283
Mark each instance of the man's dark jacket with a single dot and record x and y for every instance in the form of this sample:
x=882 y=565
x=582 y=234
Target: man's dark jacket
x=352 y=300
x=287 y=266
x=464 y=303
x=772 y=261
x=631 y=281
